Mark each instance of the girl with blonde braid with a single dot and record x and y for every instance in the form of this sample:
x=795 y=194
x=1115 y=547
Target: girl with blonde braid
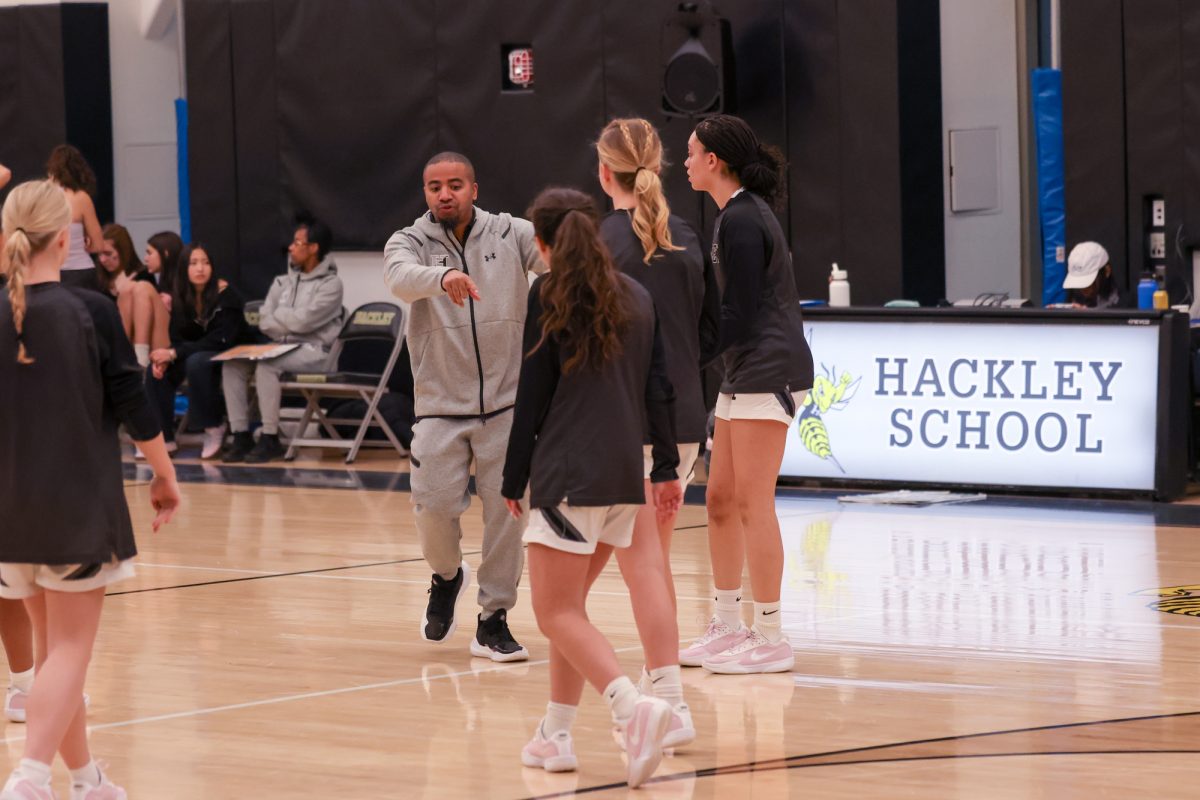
x=68 y=378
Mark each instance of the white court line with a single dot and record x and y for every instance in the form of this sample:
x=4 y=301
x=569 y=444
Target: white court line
x=199 y=712
x=825 y=681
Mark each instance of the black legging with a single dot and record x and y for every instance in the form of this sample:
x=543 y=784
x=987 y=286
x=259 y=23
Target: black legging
x=205 y=403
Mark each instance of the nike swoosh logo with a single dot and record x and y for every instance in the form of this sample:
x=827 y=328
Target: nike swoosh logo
x=769 y=613
x=757 y=656
x=656 y=680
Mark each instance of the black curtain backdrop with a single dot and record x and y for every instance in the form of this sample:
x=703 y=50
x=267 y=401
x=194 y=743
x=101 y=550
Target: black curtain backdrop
x=1131 y=116
x=54 y=88
x=333 y=107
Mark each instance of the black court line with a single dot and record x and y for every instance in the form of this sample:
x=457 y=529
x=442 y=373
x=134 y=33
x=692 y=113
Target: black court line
x=797 y=762
x=276 y=575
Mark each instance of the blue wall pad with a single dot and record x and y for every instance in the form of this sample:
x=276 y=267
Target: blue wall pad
x=1048 y=114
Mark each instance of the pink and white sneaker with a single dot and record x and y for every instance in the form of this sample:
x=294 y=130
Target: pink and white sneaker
x=680 y=729
x=718 y=638
x=644 y=733
x=19 y=788
x=553 y=753
x=14 y=704
x=107 y=790
x=753 y=655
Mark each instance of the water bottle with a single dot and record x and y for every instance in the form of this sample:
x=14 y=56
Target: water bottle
x=839 y=288
x=1146 y=288
x=1161 y=302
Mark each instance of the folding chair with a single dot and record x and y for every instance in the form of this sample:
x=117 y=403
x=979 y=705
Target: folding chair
x=373 y=321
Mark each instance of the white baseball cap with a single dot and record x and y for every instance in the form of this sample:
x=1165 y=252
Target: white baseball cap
x=1084 y=263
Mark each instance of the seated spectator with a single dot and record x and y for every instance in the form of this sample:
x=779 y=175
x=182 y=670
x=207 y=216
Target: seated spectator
x=162 y=261
x=206 y=319
x=122 y=277
x=303 y=306
x=1089 y=281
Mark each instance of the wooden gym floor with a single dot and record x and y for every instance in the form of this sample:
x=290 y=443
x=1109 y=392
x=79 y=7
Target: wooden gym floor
x=268 y=648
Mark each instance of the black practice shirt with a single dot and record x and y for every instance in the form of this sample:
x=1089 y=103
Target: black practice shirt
x=62 y=498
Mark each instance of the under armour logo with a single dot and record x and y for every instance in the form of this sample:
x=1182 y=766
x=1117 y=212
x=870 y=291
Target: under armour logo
x=491 y=257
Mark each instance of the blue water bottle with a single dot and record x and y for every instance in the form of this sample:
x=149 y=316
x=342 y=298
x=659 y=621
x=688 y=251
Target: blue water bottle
x=1145 y=290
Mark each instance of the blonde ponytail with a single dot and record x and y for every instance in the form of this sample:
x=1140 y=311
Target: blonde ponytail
x=17 y=251
x=33 y=215
x=632 y=149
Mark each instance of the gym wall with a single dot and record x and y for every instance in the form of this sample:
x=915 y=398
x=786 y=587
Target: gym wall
x=333 y=106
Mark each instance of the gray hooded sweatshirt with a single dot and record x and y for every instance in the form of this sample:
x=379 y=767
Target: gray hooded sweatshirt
x=304 y=307
x=466 y=360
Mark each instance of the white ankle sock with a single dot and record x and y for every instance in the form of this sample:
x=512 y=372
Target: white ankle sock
x=142 y=351
x=34 y=771
x=22 y=680
x=667 y=684
x=767 y=621
x=88 y=775
x=729 y=609
x=621 y=695
x=559 y=717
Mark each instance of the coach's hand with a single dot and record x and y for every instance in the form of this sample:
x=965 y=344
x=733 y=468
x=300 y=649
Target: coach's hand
x=459 y=286
x=514 y=508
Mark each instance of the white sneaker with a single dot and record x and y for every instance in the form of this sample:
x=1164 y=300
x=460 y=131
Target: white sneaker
x=717 y=638
x=754 y=654
x=644 y=733
x=214 y=438
x=14 y=704
x=107 y=790
x=555 y=753
x=19 y=788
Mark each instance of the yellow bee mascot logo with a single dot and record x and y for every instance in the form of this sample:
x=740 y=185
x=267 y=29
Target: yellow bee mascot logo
x=1176 y=599
x=830 y=392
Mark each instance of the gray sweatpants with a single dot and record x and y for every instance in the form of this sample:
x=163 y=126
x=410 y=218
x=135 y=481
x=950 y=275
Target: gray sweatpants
x=235 y=383
x=442 y=451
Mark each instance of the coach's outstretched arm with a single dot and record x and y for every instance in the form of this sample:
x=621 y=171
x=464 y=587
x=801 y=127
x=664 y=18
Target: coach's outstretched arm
x=406 y=275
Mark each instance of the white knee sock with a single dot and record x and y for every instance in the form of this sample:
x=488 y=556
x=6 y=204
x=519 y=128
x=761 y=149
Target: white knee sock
x=559 y=717
x=667 y=684
x=621 y=695
x=767 y=621
x=729 y=609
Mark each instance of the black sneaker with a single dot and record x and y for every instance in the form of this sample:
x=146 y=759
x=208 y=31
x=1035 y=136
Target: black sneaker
x=269 y=448
x=439 y=623
x=494 y=640
x=239 y=448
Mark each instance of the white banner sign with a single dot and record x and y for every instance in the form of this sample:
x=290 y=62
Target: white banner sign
x=1071 y=405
